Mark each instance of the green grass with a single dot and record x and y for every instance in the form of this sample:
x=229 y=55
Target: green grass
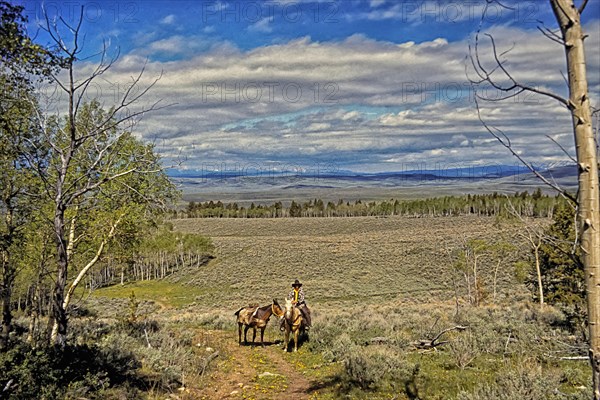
x=165 y=293
x=438 y=374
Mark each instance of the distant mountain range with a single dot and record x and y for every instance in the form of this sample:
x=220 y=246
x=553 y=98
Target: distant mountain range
x=461 y=173
x=274 y=184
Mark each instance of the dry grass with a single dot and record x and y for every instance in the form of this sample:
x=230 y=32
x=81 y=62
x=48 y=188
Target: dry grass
x=365 y=278
x=342 y=261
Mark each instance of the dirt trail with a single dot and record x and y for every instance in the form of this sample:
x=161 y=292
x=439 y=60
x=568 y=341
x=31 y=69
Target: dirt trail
x=298 y=385
x=250 y=372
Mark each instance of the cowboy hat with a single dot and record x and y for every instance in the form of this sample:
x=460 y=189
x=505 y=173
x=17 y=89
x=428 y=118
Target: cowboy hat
x=296 y=283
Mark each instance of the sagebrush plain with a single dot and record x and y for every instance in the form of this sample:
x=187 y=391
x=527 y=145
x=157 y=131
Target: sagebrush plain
x=378 y=288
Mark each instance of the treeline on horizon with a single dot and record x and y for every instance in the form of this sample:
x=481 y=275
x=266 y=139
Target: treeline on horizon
x=523 y=203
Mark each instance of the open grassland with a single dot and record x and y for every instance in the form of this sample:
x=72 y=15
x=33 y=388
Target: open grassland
x=342 y=261
x=376 y=287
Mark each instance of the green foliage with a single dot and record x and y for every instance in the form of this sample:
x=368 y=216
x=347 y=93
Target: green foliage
x=75 y=371
x=522 y=270
x=152 y=253
x=21 y=63
x=295 y=210
x=479 y=262
x=372 y=368
x=19 y=55
x=503 y=350
x=537 y=205
x=125 y=359
x=560 y=261
x=133 y=307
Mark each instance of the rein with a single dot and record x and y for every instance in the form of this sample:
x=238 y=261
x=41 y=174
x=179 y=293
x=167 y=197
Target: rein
x=274 y=313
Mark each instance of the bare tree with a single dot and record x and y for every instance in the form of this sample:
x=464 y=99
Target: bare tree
x=85 y=152
x=571 y=36
x=533 y=234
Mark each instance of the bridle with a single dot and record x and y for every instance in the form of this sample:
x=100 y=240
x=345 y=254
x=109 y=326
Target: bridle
x=274 y=312
x=295 y=322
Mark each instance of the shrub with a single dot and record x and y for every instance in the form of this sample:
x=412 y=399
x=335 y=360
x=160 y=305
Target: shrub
x=371 y=367
x=524 y=382
x=464 y=349
x=51 y=373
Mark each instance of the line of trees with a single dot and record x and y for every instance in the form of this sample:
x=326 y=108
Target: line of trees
x=158 y=255
x=152 y=252
x=536 y=204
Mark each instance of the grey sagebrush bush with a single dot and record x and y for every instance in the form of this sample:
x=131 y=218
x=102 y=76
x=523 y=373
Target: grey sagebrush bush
x=528 y=382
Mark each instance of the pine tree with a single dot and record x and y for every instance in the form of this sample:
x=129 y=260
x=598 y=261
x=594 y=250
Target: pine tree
x=561 y=264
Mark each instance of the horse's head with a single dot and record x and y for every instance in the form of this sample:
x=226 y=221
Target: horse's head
x=276 y=309
x=289 y=308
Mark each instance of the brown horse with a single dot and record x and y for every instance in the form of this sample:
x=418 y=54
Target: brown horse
x=256 y=317
x=293 y=322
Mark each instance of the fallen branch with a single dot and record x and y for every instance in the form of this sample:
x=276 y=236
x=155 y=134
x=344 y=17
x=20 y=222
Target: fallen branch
x=427 y=344
x=207 y=361
x=571 y=358
x=8 y=386
x=147 y=339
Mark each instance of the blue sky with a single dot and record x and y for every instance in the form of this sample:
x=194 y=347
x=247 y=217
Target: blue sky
x=365 y=85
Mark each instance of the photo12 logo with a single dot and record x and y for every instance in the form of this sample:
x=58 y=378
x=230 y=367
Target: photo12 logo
x=255 y=11
x=460 y=92
x=269 y=92
x=112 y=92
x=89 y=11
x=468 y=10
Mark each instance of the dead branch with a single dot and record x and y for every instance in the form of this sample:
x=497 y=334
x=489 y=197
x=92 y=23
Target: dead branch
x=582 y=6
x=427 y=344
x=489 y=75
x=147 y=339
x=563 y=149
x=207 y=361
x=574 y=358
x=505 y=141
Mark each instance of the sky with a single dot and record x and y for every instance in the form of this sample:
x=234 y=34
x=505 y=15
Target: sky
x=359 y=85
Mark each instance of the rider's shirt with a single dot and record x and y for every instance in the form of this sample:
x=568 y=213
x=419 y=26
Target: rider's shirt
x=296 y=295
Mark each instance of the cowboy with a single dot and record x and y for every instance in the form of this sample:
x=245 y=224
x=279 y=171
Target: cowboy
x=297 y=297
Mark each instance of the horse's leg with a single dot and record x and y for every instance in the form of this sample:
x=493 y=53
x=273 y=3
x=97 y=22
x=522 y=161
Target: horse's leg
x=239 y=333
x=296 y=339
x=286 y=339
x=262 y=336
x=245 y=332
x=253 y=335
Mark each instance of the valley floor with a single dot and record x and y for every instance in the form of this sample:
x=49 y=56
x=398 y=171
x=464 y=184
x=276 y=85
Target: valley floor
x=375 y=285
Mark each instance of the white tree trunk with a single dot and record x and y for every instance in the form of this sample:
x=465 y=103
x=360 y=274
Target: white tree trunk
x=568 y=17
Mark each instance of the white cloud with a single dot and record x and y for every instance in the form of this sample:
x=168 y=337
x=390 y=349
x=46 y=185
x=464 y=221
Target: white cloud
x=262 y=26
x=318 y=127
x=168 y=20
x=174 y=46
x=376 y=3
x=357 y=101
x=171 y=45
